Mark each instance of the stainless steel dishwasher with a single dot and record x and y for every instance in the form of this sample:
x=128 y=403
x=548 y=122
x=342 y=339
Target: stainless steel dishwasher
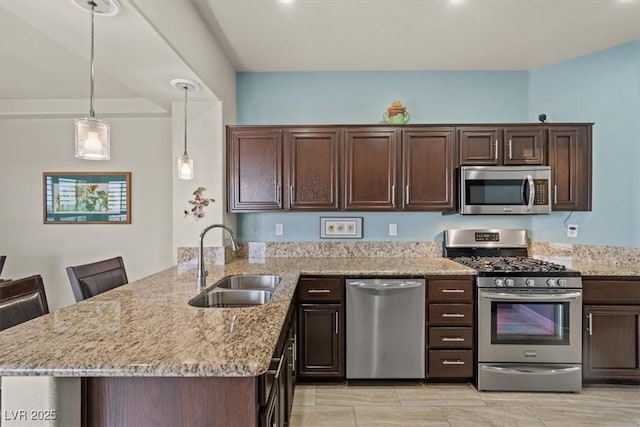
x=385 y=328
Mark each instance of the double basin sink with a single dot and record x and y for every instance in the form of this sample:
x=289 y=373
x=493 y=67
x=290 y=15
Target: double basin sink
x=238 y=291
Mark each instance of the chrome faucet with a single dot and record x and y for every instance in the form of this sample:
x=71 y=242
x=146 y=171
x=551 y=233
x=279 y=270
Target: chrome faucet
x=202 y=273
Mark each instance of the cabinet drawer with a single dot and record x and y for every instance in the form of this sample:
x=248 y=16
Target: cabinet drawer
x=450 y=291
x=451 y=314
x=450 y=363
x=442 y=337
x=320 y=289
x=602 y=291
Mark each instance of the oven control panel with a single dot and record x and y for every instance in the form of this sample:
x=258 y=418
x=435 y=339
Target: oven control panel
x=530 y=282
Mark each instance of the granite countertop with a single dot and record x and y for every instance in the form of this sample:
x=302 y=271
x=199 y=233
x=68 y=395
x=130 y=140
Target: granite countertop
x=147 y=328
x=605 y=269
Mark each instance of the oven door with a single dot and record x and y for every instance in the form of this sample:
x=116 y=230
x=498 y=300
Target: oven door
x=530 y=325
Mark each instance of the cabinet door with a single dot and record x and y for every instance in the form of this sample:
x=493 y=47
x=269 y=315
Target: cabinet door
x=254 y=180
x=370 y=169
x=311 y=165
x=524 y=146
x=291 y=368
x=570 y=161
x=611 y=343
x=480 y=145
x=321 y=336
x=428 y=169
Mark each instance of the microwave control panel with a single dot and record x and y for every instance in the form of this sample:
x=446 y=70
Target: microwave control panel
x=542 y=191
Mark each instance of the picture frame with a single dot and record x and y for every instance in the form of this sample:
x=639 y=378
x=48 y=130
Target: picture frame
x=86 y=197
x=341 y=227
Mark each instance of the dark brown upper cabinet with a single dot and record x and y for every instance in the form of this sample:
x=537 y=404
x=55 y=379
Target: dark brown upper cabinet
x=312 y=168
x=523 y=146
x=496 y=146
x=370 y=168
x=387 y=168
x=428 y=169
x=254 y=169
x=570 y=161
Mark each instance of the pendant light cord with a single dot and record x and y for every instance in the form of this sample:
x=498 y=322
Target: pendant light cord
x=186 y=89
x=92 y=113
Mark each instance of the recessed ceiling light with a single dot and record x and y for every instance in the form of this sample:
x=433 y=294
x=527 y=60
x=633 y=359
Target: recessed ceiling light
x=286 y=1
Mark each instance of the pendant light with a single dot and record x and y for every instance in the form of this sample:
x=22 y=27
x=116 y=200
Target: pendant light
x=92 y=135
x=185 y=161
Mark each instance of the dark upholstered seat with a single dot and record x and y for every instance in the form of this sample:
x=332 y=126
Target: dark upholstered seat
x=89 y=280
x=22 y=300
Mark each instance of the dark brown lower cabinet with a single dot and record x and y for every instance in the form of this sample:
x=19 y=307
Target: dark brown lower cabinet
x=611 y=343
x=320 y=336
x=170 y=401
x=321 y=348
x=450 y=327
x=611 y=324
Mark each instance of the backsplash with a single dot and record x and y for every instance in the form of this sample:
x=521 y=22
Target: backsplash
x=344 y=249
x=585 y=254
x=562 y=253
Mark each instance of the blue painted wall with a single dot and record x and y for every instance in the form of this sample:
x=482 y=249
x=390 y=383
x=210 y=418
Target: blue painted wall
x=435 y=97
x=604 y=88
x=362 y=97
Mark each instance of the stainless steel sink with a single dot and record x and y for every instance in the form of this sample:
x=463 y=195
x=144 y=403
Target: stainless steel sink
x=255 y=281
x=231 y=298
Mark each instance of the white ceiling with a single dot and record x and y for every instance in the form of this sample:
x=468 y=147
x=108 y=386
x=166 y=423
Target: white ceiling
x=302 y=35
x=44 y=44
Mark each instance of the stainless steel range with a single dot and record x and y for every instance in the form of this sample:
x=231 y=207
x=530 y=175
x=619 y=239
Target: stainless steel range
x=529 y=313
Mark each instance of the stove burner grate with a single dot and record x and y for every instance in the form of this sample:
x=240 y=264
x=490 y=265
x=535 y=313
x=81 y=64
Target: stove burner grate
x=510 y=264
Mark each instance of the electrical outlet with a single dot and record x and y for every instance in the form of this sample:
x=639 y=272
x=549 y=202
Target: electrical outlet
x=279 y=230
x=393 y=229
x=572 y=230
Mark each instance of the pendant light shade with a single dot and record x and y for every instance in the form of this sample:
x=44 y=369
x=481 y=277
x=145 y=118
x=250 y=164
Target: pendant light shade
x=93 y=135
x=92 y=139
x=185 y=167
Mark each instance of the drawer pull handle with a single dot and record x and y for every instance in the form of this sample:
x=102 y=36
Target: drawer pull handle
x=319 y=291
x=452 y=339
x=453 y=362
x=453 y=291
x=455 y=315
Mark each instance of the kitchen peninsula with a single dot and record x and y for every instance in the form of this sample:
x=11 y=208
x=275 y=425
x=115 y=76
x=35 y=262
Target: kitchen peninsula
x=148 y=358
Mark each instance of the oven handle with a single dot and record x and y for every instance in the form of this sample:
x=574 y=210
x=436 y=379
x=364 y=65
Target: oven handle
x=503 y=296
x=531 y=370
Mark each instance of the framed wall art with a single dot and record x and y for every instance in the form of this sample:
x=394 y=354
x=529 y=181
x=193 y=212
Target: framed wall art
x=87 y=197
x=341 y=228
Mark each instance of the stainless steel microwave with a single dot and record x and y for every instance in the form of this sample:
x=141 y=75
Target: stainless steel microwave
x=505 y=190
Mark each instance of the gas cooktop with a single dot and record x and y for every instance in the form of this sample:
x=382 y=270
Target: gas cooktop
x=514 y=265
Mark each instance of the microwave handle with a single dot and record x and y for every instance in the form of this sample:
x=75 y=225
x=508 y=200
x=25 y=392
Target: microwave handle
x=532 y=192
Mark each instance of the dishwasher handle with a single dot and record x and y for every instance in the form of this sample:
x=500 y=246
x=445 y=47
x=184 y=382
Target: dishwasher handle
x=384 y=286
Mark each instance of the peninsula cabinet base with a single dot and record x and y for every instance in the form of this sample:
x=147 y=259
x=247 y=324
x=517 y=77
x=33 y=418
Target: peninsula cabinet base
x=169 y=401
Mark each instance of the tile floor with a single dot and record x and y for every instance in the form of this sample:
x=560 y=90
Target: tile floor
x=457 y=405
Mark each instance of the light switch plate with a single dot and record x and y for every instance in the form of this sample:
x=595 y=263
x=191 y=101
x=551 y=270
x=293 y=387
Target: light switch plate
x=572 y=230
x=279 y=230
x=393 y=229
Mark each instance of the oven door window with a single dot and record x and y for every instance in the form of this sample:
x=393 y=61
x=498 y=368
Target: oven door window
x=495 y=191
x=545 y=323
